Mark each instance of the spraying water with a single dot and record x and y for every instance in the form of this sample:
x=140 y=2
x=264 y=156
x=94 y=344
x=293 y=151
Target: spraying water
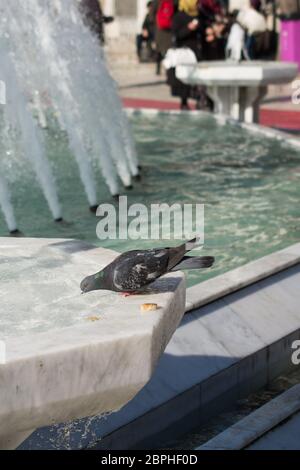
x=6 y=205
x=23 y=125
x=86 y=66
x=55 y=55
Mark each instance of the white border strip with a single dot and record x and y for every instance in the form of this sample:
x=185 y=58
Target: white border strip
x=258 y=423
x=224 y=284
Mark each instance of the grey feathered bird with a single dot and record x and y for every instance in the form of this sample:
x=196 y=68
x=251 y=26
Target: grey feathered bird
x=134 y=270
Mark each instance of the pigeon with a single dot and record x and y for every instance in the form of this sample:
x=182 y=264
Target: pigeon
x=134 y=270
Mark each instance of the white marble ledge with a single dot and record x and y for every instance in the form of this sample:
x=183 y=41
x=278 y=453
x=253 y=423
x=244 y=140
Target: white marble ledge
x=254 y=73
x=225 y=284
x=75 y=355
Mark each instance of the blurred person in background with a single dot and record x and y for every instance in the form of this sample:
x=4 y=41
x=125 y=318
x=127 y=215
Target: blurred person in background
x=187 y=38
x=163 y=12
x=186 y=33
x=213 y=17
x=186 y=27
x=236 y=42
x=147 y=36
x=254 y=23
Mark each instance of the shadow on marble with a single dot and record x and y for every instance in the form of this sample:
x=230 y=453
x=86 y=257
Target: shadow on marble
x=216 y=350
x=87 y=432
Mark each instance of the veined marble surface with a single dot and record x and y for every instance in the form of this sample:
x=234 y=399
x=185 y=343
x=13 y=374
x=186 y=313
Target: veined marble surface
x=70 y=355
x=251 y=73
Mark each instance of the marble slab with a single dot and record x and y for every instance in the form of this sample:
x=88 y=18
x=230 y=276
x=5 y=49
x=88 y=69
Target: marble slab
x=236 y=279
x=221 y=73
x=70 y=355
x=251 y=429
x=283 y=437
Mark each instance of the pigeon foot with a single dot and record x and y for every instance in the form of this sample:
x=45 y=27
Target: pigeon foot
x=128 y=294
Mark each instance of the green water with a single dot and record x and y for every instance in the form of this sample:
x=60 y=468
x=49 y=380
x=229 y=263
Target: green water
x=250 y=186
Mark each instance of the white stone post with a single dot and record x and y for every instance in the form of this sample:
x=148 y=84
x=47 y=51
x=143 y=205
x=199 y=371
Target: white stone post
x=112 y=30
x=250 y=99
x=109 y=7
x=235 y=105
x=226 y=100
x=240 y=103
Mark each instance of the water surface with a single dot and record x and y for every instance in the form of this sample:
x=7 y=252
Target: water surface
x=250 y=186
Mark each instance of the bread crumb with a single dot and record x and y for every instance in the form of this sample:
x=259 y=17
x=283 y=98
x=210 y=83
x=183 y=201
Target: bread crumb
x=93 y=318
x=148 y=307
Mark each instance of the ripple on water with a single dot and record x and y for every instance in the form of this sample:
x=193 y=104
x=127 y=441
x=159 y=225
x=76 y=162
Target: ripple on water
x=248 y=183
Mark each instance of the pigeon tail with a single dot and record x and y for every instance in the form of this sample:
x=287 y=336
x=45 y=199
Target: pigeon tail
x=191 y=244
x=177 y=253
x=196 y=262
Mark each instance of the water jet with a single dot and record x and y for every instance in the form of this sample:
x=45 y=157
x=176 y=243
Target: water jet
x=60 y=94
x=94 y=208
x=16 y=233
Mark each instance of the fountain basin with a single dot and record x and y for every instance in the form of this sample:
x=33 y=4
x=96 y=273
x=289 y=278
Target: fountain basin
x=246 y=175
x=70 y=355
x=237 y=88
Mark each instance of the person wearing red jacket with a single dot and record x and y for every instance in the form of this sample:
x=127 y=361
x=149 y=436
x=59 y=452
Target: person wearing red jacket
x=163 y=12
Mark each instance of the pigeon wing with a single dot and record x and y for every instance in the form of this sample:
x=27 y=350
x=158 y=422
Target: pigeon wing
x=134 y=270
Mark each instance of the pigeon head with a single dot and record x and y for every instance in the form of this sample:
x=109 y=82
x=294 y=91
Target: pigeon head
x=91 y=283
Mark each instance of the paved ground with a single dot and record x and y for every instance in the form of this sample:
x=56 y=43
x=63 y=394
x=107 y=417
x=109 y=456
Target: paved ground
x=140 y=87
x=139 y=81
